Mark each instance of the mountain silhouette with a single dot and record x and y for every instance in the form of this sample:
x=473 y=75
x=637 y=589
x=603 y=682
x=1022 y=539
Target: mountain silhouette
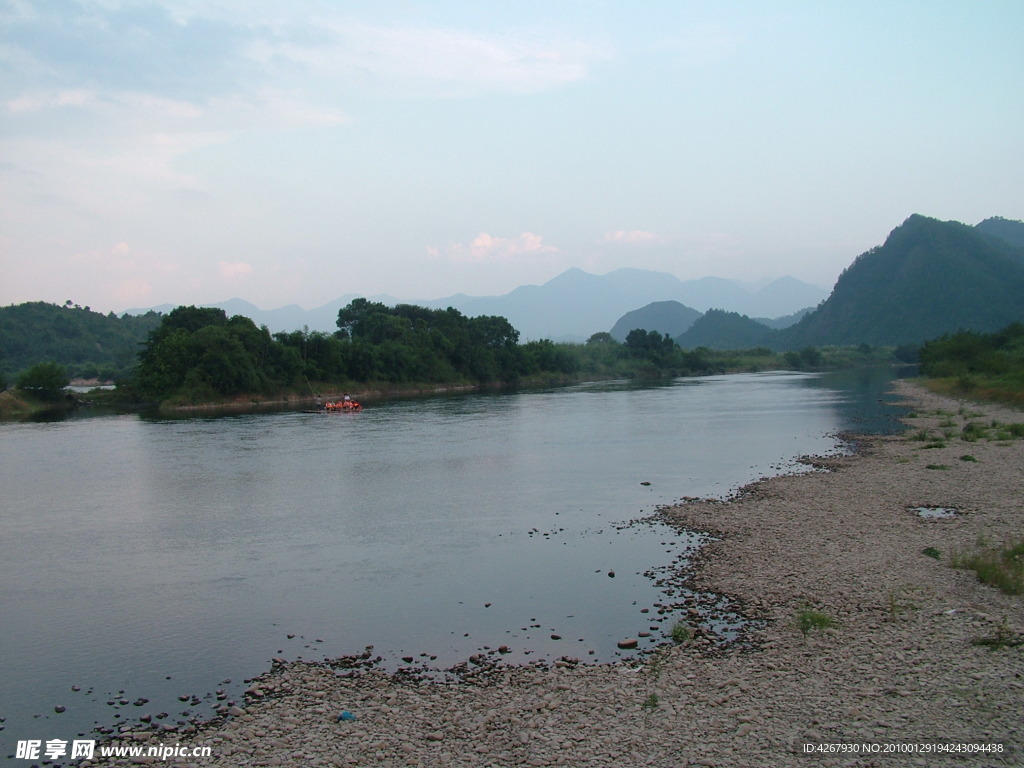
x=930 y=277
x=669 y=317
x=572 y=306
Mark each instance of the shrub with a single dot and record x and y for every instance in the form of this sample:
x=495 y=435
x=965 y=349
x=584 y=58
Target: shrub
x=47 y=380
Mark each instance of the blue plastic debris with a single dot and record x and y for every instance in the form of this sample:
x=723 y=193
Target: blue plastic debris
x=346 y=715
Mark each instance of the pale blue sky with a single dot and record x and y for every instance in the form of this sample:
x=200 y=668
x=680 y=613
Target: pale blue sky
x=190 y=151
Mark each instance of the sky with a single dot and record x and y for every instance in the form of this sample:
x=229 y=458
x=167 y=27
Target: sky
x=192 y=151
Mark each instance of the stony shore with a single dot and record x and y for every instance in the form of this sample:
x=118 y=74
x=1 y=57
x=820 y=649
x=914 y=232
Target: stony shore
x=900 y=665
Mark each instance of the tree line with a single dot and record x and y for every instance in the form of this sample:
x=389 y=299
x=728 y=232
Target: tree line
x=200 y=354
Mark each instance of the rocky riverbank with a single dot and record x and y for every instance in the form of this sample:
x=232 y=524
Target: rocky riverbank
x=896 y=647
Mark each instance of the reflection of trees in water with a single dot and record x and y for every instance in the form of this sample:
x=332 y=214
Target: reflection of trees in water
x=866 y=404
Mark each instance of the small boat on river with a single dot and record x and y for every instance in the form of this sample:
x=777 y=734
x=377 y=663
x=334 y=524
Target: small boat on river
x=343 y=406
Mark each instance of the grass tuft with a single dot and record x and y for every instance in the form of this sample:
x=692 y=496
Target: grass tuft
x=1000 y=567
x=681 y=633
x=973 y=431
x=809 y=619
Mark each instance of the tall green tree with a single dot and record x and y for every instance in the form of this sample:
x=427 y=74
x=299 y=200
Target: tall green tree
x=199 y=353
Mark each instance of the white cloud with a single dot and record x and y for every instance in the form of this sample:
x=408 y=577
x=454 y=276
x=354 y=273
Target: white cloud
x=631 y=237
x=429 y=60
x=485 y=248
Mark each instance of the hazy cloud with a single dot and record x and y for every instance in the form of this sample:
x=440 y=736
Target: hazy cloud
x=631 y=237
x=124 y=46
x=486 y=248
x=127 y=270
x=455 y=62
x=34 y=102
x=200 y=52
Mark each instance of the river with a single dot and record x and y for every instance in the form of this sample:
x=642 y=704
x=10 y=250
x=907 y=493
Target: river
x=147 y=559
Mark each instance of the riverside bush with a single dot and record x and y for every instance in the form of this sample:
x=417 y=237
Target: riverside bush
x=1001 y=567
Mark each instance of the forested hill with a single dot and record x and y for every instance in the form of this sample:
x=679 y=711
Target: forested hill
x=930 y=277
x=718 y=329
x=89 y=344
x=1005 y=229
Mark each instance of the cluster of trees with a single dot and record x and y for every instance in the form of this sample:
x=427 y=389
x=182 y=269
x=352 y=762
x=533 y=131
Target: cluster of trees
x=200 y=354
x=46 y=380
x=987 y=365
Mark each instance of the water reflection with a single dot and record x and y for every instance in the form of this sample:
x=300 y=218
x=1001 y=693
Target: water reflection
x=867 y=405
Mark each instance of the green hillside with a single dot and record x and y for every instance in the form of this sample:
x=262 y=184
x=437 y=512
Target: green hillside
x=930 y=277
x=718 y=329
x=1007 y=230
x=89 y=344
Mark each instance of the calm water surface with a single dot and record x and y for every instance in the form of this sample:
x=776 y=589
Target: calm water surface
x=162 y=557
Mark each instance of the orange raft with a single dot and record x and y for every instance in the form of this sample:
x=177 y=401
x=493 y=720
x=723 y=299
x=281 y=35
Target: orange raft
x=342 y=406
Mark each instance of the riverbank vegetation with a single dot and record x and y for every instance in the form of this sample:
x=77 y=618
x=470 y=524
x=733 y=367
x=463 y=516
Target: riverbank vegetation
x=199 y=355
x=978 y=366
x=196 y=355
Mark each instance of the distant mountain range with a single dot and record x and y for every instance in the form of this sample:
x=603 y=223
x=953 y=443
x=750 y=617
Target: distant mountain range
x=570 y=307
x=675 y=319
x=930 y=277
